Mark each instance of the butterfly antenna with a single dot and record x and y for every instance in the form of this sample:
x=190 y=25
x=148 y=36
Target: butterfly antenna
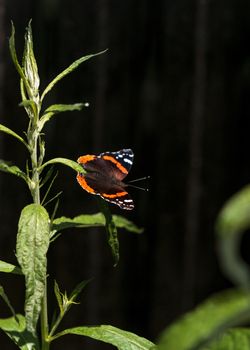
x=139 y=188
x=140 y=179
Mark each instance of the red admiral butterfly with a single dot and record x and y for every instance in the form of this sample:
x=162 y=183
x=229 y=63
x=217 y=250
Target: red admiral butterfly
x=105 y=174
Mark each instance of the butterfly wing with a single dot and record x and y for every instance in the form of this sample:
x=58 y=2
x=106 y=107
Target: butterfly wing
x=101 y=185
x=113 y=164
x=120 y=162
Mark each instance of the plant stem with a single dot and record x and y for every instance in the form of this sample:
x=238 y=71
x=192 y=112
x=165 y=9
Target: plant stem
x=56 y=324
x=35 y=190
x=44 y=321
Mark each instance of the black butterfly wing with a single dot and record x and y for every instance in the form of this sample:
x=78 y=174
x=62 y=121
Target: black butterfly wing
x=118 y=163
x=103 y=186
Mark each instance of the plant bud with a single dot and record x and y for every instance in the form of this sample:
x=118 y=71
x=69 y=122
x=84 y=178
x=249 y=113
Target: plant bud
x=30 y=66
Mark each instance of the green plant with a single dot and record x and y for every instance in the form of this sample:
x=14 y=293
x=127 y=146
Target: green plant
x=37 y=229
x=216 y=324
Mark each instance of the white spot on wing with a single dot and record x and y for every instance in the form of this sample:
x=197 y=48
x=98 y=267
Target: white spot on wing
x=126 y=160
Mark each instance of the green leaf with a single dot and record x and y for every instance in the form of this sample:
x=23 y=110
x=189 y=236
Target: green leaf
x=15 y=59
x=12 y=133
x=59 y=297
x=7 y=302
x=31 y=249
x=65 y=303
x=15 y=328
x=195 y=328
x=68 y=70
x=235 y=215
x=110 y=229
x=58 y=108
x=105 y=219
x=80 y=221
x=233 y=339
x=68 y=162
x=93 y=220
x=123 y=340
x=232 y=221
x=77 y=290
x=9 y=268
x=122 y=222
x=13 y=169
x=231 y=262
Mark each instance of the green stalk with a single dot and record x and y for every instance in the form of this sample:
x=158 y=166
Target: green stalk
x=44 y=321
x=56 y=324
x=35 y=190
x=33 y=136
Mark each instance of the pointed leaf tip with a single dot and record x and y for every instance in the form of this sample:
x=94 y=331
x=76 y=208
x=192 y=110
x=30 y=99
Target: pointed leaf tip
x=68 y=70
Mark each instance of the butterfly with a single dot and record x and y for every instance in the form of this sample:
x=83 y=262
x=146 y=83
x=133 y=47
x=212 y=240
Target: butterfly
x=104 y=176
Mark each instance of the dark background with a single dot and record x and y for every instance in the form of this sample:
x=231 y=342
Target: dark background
x=174 y=86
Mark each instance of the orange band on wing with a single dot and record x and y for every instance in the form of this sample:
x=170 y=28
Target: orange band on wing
x=119 y=194
x=82 y=182
x=113 y=160
x=85 y=159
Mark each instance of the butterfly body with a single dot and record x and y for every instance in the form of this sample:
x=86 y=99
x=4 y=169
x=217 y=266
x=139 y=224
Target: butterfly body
x=104 y=176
